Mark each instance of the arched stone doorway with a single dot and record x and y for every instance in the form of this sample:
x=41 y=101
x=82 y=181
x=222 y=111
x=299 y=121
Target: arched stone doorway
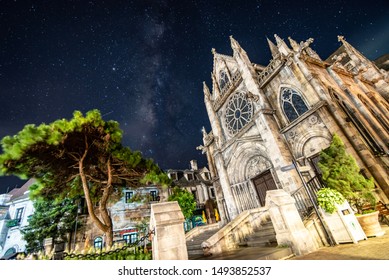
x=263 y=183
x=250 y=176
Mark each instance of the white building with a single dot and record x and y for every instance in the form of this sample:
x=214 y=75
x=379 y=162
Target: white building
x=20 y=207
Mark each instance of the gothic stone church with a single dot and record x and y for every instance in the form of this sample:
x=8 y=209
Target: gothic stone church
x=265 y=117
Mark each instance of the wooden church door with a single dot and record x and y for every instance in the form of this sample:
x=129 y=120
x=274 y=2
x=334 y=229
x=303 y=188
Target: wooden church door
x=263 y=183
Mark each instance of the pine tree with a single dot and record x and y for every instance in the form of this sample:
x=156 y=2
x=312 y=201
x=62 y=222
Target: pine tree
x=82 y=156
x=341 y=172
x=50 y=219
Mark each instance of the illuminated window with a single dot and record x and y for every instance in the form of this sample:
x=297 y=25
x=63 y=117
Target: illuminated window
x=98 y=243
x=131 y=238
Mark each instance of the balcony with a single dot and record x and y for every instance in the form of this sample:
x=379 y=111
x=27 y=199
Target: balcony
x=13 y=223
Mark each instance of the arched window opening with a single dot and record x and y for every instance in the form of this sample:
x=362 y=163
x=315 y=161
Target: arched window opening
x=362 y=129
x=375 y=113
x=369 y=139
x=98 y=243
x=292 y=103
x=223 y=79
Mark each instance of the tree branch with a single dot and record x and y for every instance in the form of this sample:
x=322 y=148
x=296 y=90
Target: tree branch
x=106 y=193
x=85 y=187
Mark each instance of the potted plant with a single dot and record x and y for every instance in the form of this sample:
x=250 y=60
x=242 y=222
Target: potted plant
x=340 y=172
x=328 y=199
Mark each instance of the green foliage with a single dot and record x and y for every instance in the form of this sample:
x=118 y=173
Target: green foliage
x=124 y=253
x=341 y=172
x=63 y=154
x=51 y=219
x=328 y=198
x=185 y=200
x=51 y=153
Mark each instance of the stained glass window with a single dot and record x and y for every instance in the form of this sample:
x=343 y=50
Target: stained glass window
x=223 y=79
x=292 y=103
x=238 y=112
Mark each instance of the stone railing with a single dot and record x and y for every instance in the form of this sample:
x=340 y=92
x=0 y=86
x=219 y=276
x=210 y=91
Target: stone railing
x=270 y=69
x=199 y=230
x=236 y=231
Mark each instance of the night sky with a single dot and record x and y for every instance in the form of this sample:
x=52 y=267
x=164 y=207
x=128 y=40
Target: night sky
x=142 y=62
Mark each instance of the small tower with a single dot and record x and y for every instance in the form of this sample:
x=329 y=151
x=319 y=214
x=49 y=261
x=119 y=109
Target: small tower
x=273 y=49
x=282 y=46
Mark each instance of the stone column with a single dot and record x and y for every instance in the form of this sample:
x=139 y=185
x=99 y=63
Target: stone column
x=169 y=237
x=48 y=244
x=226 y=186
x=287 y=223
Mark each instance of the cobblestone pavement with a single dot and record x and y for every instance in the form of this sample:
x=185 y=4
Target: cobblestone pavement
x=374 y=248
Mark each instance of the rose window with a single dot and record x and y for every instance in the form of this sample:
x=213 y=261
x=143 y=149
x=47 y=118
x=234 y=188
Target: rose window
x=239 y=112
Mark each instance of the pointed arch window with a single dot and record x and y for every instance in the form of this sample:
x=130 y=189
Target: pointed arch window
x=362 y=129
x=292 y=103
x=223 y=79
x=375 y=113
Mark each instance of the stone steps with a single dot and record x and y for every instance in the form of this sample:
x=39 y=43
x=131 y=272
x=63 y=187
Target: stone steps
x=263 y=237
x=193 y=245
x=250 y=253
x=261 y=245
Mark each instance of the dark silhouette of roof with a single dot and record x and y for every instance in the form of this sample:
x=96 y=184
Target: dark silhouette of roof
x=19 y=193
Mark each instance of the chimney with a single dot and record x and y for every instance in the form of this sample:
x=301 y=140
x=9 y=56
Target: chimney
x=193 y=164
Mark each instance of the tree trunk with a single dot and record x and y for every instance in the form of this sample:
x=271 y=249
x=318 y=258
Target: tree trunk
x=109 y=237
x=106 y=228
x=103 y=207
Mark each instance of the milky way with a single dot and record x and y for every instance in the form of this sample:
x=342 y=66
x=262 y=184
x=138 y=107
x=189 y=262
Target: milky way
x=142 y=63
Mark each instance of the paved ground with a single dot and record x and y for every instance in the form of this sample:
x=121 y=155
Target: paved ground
x=374 y=248
x=251 y=253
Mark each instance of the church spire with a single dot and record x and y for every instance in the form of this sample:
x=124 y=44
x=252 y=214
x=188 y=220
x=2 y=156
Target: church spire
x=240 y=53
x=235 y=45
x=295 y=46
x=282 y=46
x=273 y=49
x=206 y=90
x=366 y=68
x=354 y=54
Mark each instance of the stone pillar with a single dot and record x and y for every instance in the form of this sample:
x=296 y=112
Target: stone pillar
x=48 y=244
x=169 y=237
x=287 y=223
x=226 y=187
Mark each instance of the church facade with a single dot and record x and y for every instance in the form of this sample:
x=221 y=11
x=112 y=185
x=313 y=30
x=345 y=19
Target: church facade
x=264 y=118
